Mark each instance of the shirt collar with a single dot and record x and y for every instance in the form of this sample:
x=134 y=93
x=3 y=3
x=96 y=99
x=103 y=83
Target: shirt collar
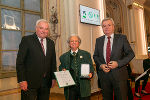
x=40 y=39
x=112 y=36
x=74 y=51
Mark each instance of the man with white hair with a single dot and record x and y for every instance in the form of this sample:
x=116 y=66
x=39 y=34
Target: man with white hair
x=36 y=64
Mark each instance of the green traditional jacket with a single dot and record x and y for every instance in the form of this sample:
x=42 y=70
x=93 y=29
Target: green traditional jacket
x=83 y=57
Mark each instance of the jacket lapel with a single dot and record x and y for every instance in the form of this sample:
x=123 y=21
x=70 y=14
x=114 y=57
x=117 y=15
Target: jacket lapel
x=47 y=46
x=79 y=55
x=114 y=47
x=37 y=42
x=102 y=45
x=67 y=59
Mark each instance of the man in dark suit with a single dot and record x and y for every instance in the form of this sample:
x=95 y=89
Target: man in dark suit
x=72 y=61
x=36 y=62
x=112 y=53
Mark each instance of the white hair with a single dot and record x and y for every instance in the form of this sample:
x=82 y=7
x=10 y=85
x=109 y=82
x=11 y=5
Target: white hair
x=42 y=20
x=79 y=39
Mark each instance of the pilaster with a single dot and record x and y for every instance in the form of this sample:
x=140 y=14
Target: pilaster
x=137 y=37
x=137 y=27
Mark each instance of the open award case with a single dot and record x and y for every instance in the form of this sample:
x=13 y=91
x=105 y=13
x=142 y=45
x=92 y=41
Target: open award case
x=85 y=70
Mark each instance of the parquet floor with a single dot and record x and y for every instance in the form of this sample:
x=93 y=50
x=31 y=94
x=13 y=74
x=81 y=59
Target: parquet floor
x=57 y=93
x=58 y=96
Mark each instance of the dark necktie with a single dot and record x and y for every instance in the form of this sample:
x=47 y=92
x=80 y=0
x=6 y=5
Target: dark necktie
x=75 y=66
x=42 y=46
x=74 y=53
x=108 y=50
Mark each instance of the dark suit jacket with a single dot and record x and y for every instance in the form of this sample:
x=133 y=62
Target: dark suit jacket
x=121 y=52
x=146 y=64
x=32 y=64
x=84 y=58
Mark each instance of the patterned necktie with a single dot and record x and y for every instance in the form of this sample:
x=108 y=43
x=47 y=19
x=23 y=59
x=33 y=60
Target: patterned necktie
x=108 y=50
x=74 y=66
x=42 y=46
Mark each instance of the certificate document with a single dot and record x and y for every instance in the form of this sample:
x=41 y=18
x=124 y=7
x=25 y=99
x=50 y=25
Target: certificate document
x=85 y=70
x=64 y=78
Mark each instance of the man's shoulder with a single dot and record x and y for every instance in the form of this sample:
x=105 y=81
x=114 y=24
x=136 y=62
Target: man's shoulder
x=28 y=37
x=100 y=37
x=145 y=60
x=50 y=40
x=84 y=52
x=119 y=35
x=65 y=54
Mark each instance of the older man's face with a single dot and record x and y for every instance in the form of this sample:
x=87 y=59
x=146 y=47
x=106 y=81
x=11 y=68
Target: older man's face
x=108 y=27
x=42 y=30
x=74 y=43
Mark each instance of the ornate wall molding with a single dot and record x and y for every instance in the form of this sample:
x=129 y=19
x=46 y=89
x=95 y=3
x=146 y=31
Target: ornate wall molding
x=114 y=10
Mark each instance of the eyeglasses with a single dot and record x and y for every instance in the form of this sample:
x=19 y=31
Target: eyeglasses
x=74 y=41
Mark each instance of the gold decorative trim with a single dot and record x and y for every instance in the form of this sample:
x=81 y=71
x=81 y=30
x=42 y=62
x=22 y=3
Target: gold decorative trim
x=135 y=4
x=10 y=91
x=138 y=5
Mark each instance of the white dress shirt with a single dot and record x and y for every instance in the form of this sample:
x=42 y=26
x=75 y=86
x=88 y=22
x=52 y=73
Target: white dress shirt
x=44 y=44
x=105 y=44
x=74 y=51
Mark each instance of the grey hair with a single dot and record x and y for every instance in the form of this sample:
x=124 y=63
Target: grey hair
x=105 y=19
x=79 y=39
x=42 y=20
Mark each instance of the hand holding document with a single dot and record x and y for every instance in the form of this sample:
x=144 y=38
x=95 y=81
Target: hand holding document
x=64 y=78
x=85 y=70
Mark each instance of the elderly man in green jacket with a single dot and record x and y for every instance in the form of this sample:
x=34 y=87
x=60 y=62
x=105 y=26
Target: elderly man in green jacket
x=72 y=61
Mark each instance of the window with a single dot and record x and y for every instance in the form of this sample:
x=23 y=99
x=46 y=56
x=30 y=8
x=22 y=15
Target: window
x=17 y=19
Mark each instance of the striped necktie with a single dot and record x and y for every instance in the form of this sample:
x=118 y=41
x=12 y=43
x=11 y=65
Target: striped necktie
x=108 y=50
x=42 y=46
